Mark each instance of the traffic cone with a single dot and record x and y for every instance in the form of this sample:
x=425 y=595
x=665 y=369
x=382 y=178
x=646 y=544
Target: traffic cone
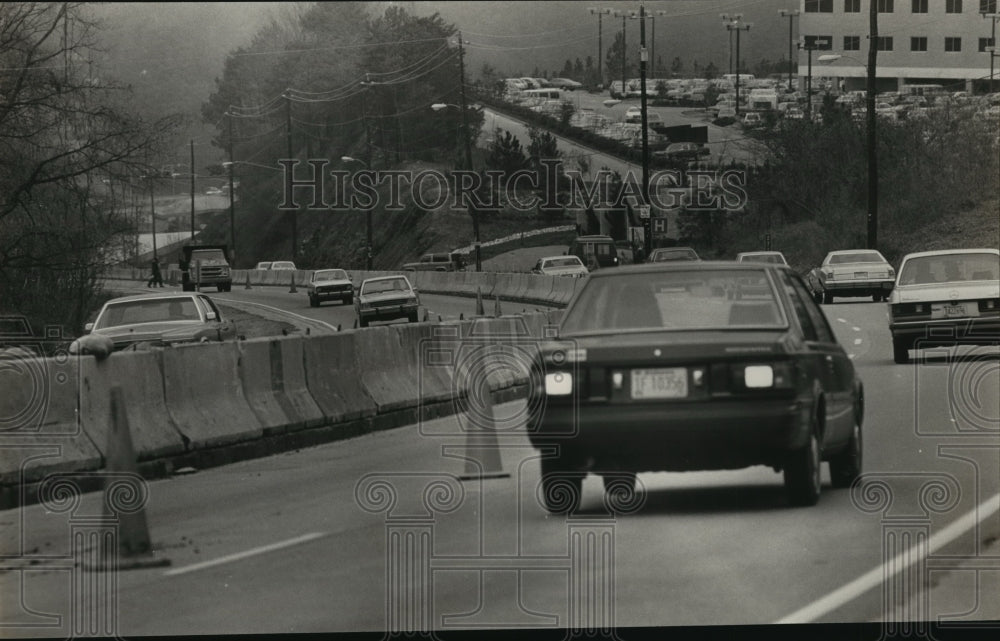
x=479 y=302
x=134 y=547
x=247 y=286
x=482 y=451
x=427 y=315
x=292 y=290
x=496 y=307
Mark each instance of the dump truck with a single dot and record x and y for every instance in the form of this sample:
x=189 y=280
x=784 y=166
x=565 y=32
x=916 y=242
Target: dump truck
x=205 y=266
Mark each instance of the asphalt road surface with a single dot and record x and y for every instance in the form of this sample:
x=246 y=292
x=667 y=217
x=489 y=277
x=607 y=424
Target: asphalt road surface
x=308 y=541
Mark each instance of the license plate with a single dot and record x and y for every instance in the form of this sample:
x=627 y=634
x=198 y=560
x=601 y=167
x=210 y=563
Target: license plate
x=659 y=383
x=955 y=310
x=861 y=274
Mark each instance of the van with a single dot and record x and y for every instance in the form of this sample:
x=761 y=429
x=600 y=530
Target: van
x=595 y=251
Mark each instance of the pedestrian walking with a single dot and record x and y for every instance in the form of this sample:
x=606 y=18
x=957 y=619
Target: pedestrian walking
x=157 y=277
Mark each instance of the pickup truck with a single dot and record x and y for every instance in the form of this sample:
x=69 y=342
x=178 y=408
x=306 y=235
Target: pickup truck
x=206 y=265
x=453 y=262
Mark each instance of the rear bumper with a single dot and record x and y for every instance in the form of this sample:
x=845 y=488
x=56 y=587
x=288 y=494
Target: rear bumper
x=946 y=331
x=341 y=295
x=388 y=313
x=716 y=434
x=858 y=287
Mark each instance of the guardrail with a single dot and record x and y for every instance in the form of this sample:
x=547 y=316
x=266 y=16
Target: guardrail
x=215 y=403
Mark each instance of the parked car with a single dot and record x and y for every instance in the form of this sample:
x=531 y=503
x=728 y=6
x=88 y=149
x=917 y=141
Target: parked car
x=669 y=367
x=794 y=113
x=263 y=266
x=283 y=265
x=856 y=272
x=682 y=151
x=752 y=119
x=564 y=83
x=386 y=298
x=595 y=251
x=161 y=319
x=330 y=284
x=669 y=254
x=952 y=296
x=633 y=114
x=560 y=266
x=775 y=258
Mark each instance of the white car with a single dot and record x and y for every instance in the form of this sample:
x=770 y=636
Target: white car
x=560 y=266
x=264 y=265
x=945 y=297
x=161 y=320
x=856 y=272
x=776 y=258
x=752 y=120
x=283 y=264
x=330 y=284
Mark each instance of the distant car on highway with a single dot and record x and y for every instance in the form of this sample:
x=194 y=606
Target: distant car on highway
x=442 y=262
x=680 y=367
x=386 y=298
x=283 y=265
x=682 y=151
x=161 y=319
x=565 y=83
x=560 y=266
x=856 y=272
x=213 y=191
x=776 y=258
x=670 y=254
x=330 y=284
x=263 y=266
x=952 y=294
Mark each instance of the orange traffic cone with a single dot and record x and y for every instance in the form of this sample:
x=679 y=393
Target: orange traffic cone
x=479 y=302
x=247 y=286
x=496 y=307
x=292 y=290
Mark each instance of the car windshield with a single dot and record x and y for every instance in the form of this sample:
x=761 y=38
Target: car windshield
x=675 y=300
x=155 y=310
x=283 y=265
x=383 y=286
x=774 y=259
x=207 y=254
x=568 y=261
x=856 y=257
x=330 y=274
x=943 y=268
x=660 y=256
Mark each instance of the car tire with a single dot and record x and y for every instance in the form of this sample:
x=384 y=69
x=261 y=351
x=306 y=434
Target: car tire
x=802 y=473
x=876 y=298
x=845 y=467
x=412 y=317
x=561 y=490
x=818 y=298
x=362 y=322
x=900 y=351
x=827 y=298
x=313 y=301
x=349 y=300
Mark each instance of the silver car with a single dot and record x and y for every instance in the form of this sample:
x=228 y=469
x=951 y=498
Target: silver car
x=161 y=319
x=856 y=272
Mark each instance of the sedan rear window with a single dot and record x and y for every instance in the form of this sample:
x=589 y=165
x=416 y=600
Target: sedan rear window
x=675 y=300
x=944 y=268
x=569 y=261
x=148 y=311
x=856 y=257
x=383 y=286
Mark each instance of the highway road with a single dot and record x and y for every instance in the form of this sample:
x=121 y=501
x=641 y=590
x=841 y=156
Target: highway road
x=306 y=541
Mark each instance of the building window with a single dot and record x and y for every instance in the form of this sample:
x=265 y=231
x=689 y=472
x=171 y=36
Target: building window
x=819 y=6
x=919 y=6
x=985 y=42
x=953 y=44
x=953 y=6
x=884 y=43
x=918 y=43
x=852 y=43
x=852 y=6
x=885 y=6
x=987 y=6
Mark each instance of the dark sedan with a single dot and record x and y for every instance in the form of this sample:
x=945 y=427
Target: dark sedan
x=161 y=319
x=386 y=298
x=695 y=366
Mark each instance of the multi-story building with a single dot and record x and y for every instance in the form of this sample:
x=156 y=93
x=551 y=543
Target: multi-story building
x=921 y=42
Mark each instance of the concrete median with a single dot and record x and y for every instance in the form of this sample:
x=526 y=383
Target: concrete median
x=262 y=386
x=140 y=378
x=204 y=395
x=387 y=375
x=332 y=374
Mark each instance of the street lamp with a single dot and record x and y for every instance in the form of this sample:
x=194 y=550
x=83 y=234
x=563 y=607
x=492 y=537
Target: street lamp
x=737 y=26
x=438 y=106
x=871 y=143
x=600 y=13
x=624 y=17
x=368 y=219
x=791 y=14
x=731 y=18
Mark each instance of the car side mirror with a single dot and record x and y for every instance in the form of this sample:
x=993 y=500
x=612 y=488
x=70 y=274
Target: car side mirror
x=210 y=316
x=88 y=327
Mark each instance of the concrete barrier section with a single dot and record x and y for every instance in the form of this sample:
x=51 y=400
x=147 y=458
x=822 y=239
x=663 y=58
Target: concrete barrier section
x=331 y=370
x=39 y=430
x=262 y=386
x=140 y=378
x=295 y=397
x=388 y=374
x=204 y=395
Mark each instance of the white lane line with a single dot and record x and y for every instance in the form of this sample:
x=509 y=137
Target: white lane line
x=332 y=328
x=243 y=555
x=851 y=356
x=857 y=341
x=841 y=320
x=857 y=329
x=900 y=562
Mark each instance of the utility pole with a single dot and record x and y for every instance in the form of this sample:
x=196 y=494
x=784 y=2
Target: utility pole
x=791 y=14
x=809 y=45
x=872 y=149
x=288 y=139
x=731 y=19
x=192 y=190
x=600 y=13
x=468 y=148
x=737 y=26
x=993 y=40
x=623 y=16
x=368 y=165
x=232 y=205
x=152 y=212
x=643 y=55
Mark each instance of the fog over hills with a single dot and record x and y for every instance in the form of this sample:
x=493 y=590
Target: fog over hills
x=171 y=53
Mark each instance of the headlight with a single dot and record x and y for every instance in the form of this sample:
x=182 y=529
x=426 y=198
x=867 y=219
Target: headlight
x=559 y=384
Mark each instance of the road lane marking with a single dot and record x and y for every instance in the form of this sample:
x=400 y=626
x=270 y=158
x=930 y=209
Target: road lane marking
x=332 y=328
x=857 y=341
x=841 y=320
x=246 y=554
x=851 y=356
x=900 y=562
x=857 y=329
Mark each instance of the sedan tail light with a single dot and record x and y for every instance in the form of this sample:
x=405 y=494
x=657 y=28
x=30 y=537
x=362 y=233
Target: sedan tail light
x=989 y=305
x=778 y=375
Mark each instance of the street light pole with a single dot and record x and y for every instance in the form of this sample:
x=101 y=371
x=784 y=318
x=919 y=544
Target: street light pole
x=468 y=148
x=232 y=205
x=731 y=19
x=809 y=46
x=993 y=40
x=643 y=55
x=791 y=14
x=152 y=213
x=872 y=148
x=738 y=26
x=600 y=13
x=623 y=16
x=192 y=190
x=368 y=216
x=288 y=141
